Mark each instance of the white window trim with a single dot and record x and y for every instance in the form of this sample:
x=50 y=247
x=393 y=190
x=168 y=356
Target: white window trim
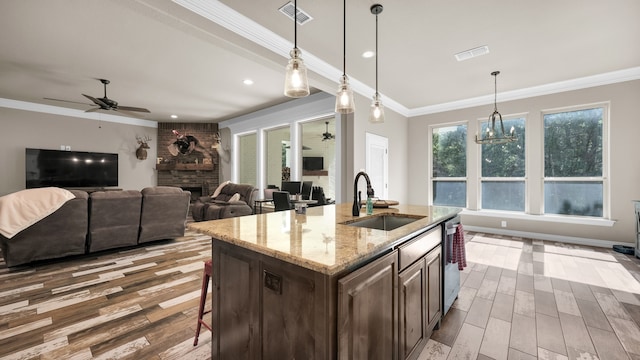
x=525 y=116
x=563 y=219
x=430 y=177
x=606 y=191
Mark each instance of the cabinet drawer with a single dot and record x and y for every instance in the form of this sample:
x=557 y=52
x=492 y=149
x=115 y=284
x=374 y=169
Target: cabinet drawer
x=416 y=248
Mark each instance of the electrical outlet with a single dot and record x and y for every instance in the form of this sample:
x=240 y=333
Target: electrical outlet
x=68 y=147
x=504 y=223
x=62 y=147
x=273 y=282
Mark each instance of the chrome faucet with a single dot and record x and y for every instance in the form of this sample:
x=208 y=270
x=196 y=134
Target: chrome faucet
x=357 y=198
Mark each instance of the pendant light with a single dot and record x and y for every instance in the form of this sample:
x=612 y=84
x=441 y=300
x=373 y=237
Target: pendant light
x=344 y=98
x=377 y=110
x=296 y=84
x=491 y=136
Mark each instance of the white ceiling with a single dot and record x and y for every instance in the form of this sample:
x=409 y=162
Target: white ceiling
x=160 y=55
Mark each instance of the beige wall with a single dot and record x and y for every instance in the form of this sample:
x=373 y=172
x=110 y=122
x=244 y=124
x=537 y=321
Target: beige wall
x=624 y=127
x=395 y=128
x=27 y=129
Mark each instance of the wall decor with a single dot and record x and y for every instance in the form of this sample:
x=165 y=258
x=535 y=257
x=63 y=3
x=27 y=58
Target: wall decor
x=141 y=151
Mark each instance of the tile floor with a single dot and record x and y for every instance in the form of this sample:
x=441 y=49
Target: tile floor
x=527 y=299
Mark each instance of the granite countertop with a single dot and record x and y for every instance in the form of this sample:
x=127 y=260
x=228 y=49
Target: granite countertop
x=317 y=240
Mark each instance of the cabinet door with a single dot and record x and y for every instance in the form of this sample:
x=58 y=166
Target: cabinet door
x=434 y=287
x=412 y=303
x=235 y=309
x=293 y=315
x=367 y=311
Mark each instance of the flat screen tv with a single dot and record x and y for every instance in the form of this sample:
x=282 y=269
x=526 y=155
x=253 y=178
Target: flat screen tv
x=70 y=169
x=313 y=163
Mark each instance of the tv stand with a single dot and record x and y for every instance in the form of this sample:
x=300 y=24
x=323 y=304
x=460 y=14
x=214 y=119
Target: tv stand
x=90 y=190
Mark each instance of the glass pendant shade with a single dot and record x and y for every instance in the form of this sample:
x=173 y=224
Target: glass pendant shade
x=377 y=110
x=344 y=98
x=296 y=84
x=376 y=116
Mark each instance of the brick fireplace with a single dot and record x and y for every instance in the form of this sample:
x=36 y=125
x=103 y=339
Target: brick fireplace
x=196 y=171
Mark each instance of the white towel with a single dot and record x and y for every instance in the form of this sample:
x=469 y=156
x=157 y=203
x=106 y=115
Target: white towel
x=22 y=209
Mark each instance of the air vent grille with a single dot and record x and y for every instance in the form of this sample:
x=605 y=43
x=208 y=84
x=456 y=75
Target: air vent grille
x=471 y=53
x=288 y=10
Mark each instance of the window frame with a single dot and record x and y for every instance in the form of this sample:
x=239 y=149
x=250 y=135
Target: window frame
x=606 y=205
x=430 y=177
x=525 y=178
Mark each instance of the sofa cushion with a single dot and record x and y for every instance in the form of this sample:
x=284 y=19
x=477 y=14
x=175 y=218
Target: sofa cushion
x=114 y=219
x=164 y=213
x=21 y=209
x=60 y=234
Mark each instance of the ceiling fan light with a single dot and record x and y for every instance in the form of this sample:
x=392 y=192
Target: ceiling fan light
x=376 y=116
x=296 y=84
x=344 y=98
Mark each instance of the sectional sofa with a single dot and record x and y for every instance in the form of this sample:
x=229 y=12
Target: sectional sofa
x=99 y=221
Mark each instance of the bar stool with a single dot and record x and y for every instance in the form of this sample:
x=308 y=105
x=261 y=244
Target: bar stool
x=203 y=299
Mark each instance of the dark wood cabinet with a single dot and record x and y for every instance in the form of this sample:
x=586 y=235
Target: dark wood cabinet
x=367 y=311
x=268 y=309
x=237 y=316
x=412 y=302
x=434 y=288
x=419 y=304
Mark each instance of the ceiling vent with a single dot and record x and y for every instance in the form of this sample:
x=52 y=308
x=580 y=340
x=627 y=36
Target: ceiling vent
x=288 y=10
x=475 y=52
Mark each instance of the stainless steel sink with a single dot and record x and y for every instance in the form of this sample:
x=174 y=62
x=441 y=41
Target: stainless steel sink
x=386 y=222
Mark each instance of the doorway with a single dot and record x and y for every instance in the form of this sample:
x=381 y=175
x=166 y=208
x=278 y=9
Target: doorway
x=377 y=162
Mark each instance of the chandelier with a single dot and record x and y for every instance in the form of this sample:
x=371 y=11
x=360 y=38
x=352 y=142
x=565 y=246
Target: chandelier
x=491 y=135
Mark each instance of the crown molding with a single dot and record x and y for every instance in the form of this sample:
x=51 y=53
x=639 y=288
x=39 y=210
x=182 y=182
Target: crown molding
x=57 y=110
x=546 y=89
x=230 y=19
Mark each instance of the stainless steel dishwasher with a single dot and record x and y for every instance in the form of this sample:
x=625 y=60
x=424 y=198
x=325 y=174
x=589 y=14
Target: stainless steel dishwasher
x=451 y=280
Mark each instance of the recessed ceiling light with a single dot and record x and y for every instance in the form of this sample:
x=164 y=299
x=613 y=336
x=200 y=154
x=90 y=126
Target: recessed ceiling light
x=248 y=82
x=368 y=54
x=471 y=53
x=174 y=116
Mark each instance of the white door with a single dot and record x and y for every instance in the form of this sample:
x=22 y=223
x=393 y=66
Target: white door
x=377 y=160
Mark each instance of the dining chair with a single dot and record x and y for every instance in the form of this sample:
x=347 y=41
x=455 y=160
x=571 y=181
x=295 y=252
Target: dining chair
x=281 y=201
x=306 y=190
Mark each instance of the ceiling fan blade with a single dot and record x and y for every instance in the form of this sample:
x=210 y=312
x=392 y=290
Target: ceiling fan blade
x=96 y=101
x=131 y=108
x=69 y=101
x=129 y=113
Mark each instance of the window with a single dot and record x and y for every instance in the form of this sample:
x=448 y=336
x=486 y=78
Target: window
x=247 y=164
x=449 y=155
x=573 y=162
x=278 y=155
x=503 y=170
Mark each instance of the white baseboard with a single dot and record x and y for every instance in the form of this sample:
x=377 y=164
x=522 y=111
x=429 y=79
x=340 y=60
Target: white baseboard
x=547 y=237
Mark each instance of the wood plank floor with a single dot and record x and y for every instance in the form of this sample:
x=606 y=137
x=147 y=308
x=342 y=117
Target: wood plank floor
x=520 y=299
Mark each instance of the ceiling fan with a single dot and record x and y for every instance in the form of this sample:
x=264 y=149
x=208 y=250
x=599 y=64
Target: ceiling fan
x=104 y=103
x=327 y=135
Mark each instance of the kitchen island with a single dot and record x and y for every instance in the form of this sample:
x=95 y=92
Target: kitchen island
x=314 y=286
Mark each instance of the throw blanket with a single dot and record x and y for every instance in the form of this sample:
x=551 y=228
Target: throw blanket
x=459 y=251
x=24 y=208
